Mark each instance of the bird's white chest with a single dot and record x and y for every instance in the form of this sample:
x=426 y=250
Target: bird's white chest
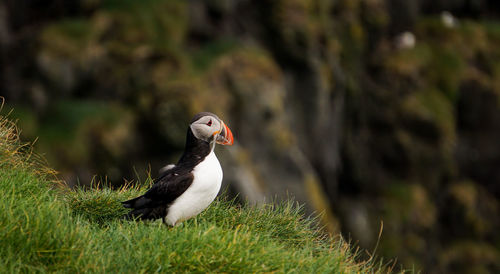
x=206 y=184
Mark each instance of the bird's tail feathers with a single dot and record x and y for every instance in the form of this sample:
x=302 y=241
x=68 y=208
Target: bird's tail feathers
x=136 y=203
x=143 y=209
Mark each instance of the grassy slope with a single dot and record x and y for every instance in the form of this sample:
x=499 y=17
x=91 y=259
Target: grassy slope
x=44 y=229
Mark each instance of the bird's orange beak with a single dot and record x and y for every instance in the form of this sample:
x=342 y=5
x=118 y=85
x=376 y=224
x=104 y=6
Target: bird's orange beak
x=226 y=136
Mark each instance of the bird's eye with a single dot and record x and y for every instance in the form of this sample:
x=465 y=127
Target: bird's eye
x=209 y=123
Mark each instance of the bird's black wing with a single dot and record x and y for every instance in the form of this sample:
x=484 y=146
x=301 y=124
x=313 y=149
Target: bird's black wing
x=169 y=187
x=164 y=191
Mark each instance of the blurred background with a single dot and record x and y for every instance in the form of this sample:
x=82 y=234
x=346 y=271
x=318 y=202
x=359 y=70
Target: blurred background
x=365 y=110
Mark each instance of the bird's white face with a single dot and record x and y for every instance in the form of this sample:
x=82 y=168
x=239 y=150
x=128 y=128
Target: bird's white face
x=210 y=128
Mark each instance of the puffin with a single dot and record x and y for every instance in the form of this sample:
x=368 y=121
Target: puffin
x=185 y=189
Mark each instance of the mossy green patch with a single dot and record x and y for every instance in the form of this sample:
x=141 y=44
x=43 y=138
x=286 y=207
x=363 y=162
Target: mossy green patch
x=68 y=38
x=75 y=123
x=445 y=71
x=433 y=106
x=203 y=57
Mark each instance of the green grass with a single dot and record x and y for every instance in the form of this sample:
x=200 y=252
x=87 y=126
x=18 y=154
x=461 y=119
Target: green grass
x=47 y=228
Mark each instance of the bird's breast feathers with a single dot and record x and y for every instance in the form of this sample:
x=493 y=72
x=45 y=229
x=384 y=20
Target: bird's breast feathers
x=207 y=174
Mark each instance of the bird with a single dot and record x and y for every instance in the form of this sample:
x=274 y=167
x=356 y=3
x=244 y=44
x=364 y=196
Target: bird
x=185 y=189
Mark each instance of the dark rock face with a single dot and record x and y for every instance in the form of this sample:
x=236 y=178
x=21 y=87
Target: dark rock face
x=478 y=123
x=368 y=111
